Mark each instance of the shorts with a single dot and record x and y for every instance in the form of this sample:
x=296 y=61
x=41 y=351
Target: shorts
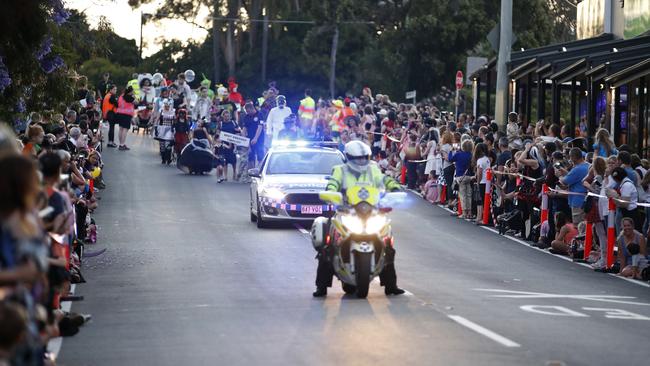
x=256 y=152
x=481 y=194
x=230 y=157
x=577 y=215
x=123 y=120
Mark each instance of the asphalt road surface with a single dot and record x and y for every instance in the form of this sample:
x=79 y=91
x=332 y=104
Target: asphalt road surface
x=188 y=280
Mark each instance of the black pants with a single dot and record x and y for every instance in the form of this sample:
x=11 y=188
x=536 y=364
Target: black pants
x=325 y=271
x=411 y=174
x=111 y=129
x=448 y=174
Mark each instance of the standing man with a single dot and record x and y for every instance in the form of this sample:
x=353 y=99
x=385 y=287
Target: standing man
x=254 y=130
x=109 y=106
x=573 y=181
x=306 y=112
x=104 y=86
x=276 y=117
x=135 y=85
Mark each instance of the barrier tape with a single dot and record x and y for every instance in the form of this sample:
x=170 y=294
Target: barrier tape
x=592 y=194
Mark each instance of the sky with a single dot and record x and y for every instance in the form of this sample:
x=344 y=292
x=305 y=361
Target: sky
x=126 y=22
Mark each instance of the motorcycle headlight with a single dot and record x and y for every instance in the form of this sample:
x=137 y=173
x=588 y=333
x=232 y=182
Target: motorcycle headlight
x=273 y=193
x=352 y=223
x=374 y=224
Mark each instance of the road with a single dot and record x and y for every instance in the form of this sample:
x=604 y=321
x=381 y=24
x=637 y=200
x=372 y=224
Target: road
x=188 y=280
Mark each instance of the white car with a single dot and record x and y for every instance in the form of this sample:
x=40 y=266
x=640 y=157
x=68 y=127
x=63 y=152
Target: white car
x=285 y=187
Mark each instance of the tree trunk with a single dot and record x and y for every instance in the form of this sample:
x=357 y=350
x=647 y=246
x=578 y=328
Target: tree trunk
x=230 y=49
x=216 y=63
x=335 y=43
x=256 y=11
x=265 y=44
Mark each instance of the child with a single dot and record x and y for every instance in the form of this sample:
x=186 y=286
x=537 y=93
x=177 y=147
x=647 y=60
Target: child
x=220 y=148
x=431 y=188
x=181 y=131
x=163 y=133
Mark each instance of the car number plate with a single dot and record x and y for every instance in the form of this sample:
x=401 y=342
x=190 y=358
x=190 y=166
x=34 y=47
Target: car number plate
x=311 y=209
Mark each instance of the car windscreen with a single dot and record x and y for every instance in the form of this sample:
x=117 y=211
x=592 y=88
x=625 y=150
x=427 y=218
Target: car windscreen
x=302 y=162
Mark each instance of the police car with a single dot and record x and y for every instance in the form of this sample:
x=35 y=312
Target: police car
x=285 y=187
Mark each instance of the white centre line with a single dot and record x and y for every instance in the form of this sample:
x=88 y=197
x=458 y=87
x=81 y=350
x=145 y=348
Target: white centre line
x=484 y=331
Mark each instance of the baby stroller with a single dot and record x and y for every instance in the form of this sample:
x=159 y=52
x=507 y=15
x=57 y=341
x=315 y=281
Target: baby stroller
x=143 y=119
x=196 y=157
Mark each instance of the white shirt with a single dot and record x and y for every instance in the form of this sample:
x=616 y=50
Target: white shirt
x=484 y=164
x=628 y=189
x=275 y=120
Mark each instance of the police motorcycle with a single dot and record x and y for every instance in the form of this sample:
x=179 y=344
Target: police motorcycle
x=358 y=234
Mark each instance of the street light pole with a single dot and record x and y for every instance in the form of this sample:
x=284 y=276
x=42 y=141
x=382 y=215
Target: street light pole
x=505 y=43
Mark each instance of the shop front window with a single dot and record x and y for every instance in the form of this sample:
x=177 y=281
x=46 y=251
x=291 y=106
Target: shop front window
x=621 y=133
x=633 y=116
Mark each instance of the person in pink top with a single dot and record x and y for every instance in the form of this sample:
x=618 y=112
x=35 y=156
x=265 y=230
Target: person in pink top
x=566 y=231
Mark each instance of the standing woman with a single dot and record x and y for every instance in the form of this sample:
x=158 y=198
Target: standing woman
x=447 y=167
x=109 y=106
x=482 y=163
x=124 y=114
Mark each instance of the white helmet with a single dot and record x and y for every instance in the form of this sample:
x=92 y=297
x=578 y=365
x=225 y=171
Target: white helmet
x=358 y=155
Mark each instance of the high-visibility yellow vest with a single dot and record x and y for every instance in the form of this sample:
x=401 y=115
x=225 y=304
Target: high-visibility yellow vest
x=133 y=83
x=307 y=108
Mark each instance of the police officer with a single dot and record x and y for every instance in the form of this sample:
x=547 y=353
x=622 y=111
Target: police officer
x=358 y=169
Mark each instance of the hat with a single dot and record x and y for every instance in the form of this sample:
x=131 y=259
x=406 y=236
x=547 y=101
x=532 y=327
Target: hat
x=337 y=103
x=382 y=112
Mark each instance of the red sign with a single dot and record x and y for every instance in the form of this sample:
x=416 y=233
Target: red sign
x=459 y=79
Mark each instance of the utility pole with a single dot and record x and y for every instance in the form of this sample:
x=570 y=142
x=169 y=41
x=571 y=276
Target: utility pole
x=140 y=48
x=335 y=45
x=505 y=43
x=265 y=43
x=216 y=63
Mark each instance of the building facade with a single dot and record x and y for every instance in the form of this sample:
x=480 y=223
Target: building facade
x=599 y=80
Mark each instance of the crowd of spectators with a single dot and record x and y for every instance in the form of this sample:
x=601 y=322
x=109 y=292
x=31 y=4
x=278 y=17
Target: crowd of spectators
x=49 y=189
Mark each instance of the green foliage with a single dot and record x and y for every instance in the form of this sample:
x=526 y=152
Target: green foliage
x=94 y=68
x=24 y=26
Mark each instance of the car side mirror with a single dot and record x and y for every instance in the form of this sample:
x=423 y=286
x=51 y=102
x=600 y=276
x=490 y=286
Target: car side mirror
x=254 y=172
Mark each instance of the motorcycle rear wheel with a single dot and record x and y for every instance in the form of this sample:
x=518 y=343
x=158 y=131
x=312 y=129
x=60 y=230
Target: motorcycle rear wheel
x=362 y=273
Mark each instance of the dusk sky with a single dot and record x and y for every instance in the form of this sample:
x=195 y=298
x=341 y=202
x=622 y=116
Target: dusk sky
x=126 y=22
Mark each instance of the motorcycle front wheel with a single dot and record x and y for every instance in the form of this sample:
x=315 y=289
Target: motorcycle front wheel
x=362 y=273
x=348 y=289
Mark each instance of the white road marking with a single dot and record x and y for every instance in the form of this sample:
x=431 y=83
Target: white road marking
x=54 y=345
x=541 y=295
x=301 y=229
x=484 y=331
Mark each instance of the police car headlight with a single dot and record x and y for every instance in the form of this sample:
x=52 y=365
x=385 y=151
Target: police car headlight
x=352 y=223
x=374 y=224
x=273 y=193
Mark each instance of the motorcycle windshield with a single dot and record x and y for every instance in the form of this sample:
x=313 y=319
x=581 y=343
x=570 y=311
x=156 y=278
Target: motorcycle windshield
x=363 y=193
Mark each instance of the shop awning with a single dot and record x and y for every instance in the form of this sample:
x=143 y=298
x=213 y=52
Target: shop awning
x=523 y=69
x=628 y=74
x=568 y=73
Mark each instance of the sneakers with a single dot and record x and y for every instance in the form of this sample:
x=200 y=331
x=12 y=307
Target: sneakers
x=111 y=144
x=320 y=292
x=123 y=148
